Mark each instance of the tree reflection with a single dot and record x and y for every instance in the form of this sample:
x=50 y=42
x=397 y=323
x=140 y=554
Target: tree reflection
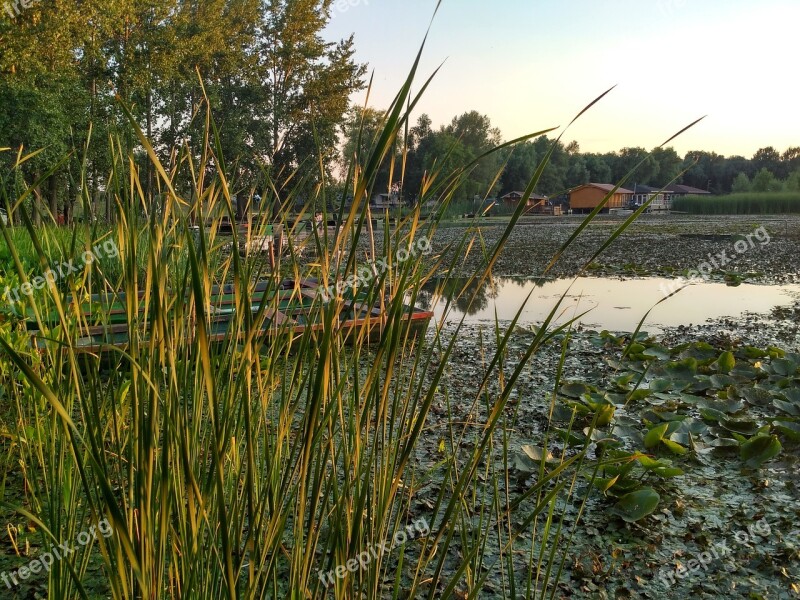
x=470 y=296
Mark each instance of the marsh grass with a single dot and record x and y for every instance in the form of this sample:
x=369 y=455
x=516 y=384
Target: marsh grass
x=248 y=467
x=748 y=203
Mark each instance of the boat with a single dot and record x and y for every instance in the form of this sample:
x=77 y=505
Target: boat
x=291 y=307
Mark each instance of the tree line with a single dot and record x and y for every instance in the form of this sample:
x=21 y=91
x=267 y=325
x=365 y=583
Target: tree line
x=279 y=94
x=457 y=143
x=277 y=89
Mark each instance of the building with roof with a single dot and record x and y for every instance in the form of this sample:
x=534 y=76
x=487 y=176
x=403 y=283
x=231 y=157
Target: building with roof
x=587 y=197
x=658 y=198
x=537 y=203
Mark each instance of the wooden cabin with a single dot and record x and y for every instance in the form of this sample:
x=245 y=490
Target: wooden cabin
x=587 y=197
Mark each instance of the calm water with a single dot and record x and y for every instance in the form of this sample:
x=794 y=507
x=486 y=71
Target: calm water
x=613 y=304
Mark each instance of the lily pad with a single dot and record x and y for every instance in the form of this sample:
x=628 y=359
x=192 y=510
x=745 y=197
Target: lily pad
x=755 y=396
x=759 y=449
x=789 y=429
x=787 y=407
x=636 y=505
x=726 y=362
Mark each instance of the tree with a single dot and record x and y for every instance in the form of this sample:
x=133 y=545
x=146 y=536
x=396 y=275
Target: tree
x=741 y=184
x=791 y=159
x=361 y=131
x=577 y=173
x=770 y=159
x=520 y=166
x=599 y=169
x=308 y=84
x=765 y=181
x=647 y=173
x=475 y=134
x=669 y=166
x=792 y=183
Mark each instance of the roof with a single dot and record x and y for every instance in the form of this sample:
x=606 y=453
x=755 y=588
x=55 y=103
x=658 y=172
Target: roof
x=511 y=195
x=639 y=188
x=686 y=189
x=606 y=187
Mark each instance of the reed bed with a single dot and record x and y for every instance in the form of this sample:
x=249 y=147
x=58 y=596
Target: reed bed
x=748 y=203
x=281 y=466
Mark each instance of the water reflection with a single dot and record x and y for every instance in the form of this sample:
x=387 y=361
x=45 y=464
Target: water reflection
x=613 y=304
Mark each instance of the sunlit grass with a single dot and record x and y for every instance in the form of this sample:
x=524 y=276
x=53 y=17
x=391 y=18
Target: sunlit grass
x=249 y=467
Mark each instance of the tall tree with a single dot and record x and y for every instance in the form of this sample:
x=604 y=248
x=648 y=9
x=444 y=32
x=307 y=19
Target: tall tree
x=308 y=83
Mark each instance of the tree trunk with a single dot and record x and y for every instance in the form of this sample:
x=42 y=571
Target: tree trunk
x=52 y=196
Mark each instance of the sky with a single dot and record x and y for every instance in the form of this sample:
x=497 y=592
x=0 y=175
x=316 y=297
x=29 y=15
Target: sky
x=534 y=64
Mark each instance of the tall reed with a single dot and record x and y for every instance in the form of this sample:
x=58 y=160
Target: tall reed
x=747 y=203
x=283 y=465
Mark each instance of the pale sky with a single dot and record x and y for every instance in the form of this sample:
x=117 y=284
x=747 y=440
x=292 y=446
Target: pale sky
x=532 y=64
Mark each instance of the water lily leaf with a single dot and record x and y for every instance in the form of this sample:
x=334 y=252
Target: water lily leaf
x=661 y=385
x=784 y=367
x=574 y=390
x=636 y=349
x=792 y=395
x=789 y=429
x=711 y=414
x=536 y=454
x=605 y=484
x=744 y=371
x=683 y=370
x=751 y=352
x=721 y=381
x=655 y=435
x=668 y=472
x=569 y=437
x=759 y=449
x=639 y=394
x=701 y=351
x=743 y=426
x=674 y=447
x=721 y=405
x=605 y=414
x=658 y=352
x=756 y=396
x=562 y=413
x=692 y=426
x=787 y=407
x=649 y=463
x=636 y=505
x=726 y=362
x=702 y=383
x=623 y=381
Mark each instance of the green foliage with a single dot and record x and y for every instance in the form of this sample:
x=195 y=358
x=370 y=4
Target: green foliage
x=741 y=184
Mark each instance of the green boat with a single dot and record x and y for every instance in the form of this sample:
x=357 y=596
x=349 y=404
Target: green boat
x=291 y=308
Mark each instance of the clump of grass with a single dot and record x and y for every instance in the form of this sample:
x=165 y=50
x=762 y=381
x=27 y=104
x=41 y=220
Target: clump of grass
x=746 y=203
x=248 y=467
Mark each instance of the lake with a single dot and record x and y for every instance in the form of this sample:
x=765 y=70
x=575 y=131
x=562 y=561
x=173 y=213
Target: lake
x=613 y=304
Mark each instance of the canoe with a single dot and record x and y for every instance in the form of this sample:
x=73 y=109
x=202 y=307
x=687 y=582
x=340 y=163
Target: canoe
x=291 y=309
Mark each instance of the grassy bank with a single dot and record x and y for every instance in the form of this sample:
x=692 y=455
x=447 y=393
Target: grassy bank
x=750 y=203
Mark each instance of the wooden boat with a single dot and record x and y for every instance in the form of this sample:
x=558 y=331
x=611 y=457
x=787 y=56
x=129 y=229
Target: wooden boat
x=291 y=308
